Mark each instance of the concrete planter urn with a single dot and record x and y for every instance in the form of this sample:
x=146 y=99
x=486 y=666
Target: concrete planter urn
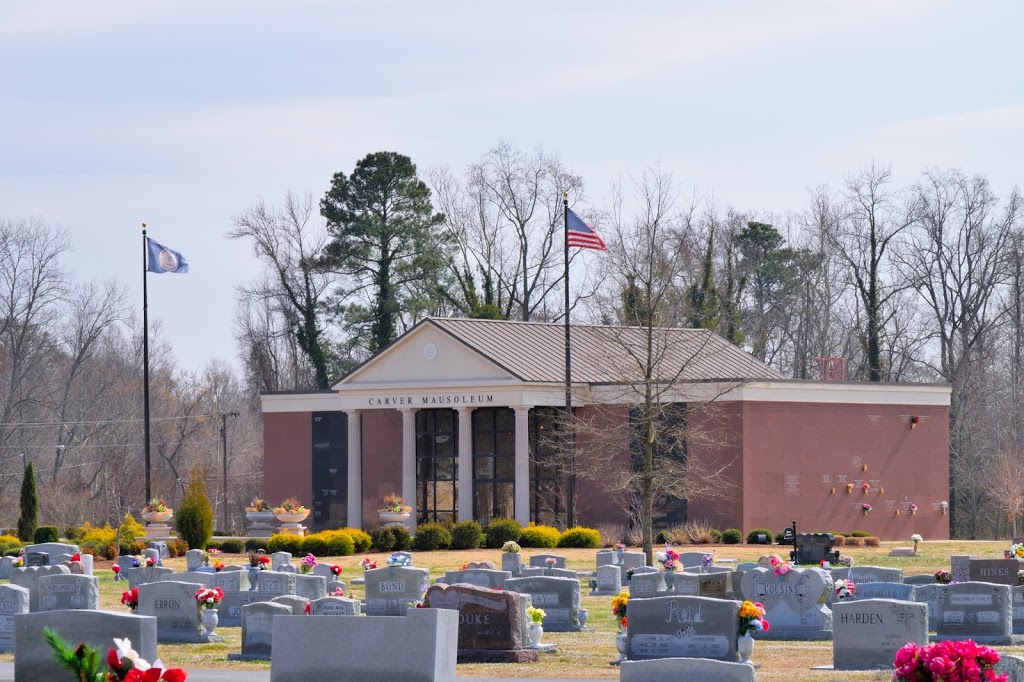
x=262 y=517
x=394 y=518
x=286 y=517
x=158 y=517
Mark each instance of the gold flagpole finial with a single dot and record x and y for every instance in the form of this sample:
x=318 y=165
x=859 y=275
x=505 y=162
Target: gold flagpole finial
x=143 y=226
x=565 y=195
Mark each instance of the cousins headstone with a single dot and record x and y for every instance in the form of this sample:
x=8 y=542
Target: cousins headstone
x=176 y=610
x=978 y=611
x=490 y=622
x=275 y=583
x=28 y=577
x=647 y=584
x=929 y=596
x=540 y=561
x=997 y=571
x=477 y=576
x=692 y=627
x=257 y=620
x=66 y=592
x=609 y=579
x=883 y=591
x=334 y=606
x=866 y=634
x=193 y=559
x=311 y=586
x=390 y=590
x=558 y=597
x=794 y=603
x=13 y=600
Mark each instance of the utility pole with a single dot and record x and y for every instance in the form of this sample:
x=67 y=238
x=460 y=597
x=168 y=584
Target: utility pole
x=224 y=442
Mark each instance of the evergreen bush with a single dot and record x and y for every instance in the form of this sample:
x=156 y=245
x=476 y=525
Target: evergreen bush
x=467 y=535
x=500 y=531
x=194 y=516
x=752 y=538
x=580 y=537
x=545 y=537
x=29 y=518
x=431 y=536
x=732 y=536
x=46 y=534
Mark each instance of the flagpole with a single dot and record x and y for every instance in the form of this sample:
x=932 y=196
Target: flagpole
x=569 y=436
x=145 y=362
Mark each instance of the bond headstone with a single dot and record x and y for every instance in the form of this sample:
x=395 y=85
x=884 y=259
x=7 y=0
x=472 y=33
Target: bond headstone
x=996 y=571
x=296 y=603
x=677 y=626
x=193 y=559
x=257 y=620
x=960 y=567
x=390 y=590
x=490 y=622
x=278 y=559
x=311 y=586
x=929 y=596
x=558 y=597
x=794 y=602
x=866 y=634
x=541 y=561
x=648 y=584
x=13 y=600
x=275 y=583
x=978 y=611
x=477 y=576
x=334 y=606
x=609 y=579
x=28 y=577
x=67 y=592
x=146 y=574
x=884 y=591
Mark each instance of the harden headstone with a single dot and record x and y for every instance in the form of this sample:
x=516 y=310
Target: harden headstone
x=866 y=634
x=490 y=622
x=390 y=590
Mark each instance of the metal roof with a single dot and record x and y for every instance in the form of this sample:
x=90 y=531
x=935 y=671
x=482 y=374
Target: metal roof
x=535 y=352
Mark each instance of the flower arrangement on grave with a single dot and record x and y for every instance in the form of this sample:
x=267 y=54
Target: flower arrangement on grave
x=258 y=504
x=336 y=570
x=116 y=569
x=307 y=563
x=619 y=547
x=752 y=618
x=218 y=565
x=865 y=486
x=157 y=505
x=367 y=564
x=707 y=560
x=209 y=597
x=949 y=660
x=1017 y=551
x=130 y=598
x=150 y=561
x=845 y=560
x=916 y=538
x=619 y=604
x=397 y=560
x=338 y=592
x=264 y=562
x=844 y=589
x=943 y=577
x=914 y=421
x=1020 y=577
x=394 y=504
x=77 y=556
x=779 y=567
x=669 y=559
x=123 y=663
x=536 y=615
x=136 y=561
x=912 y=508
x=944 y=507
x=18 y=562
x=511 y=546
x=866 y=507
x=290 y=506
x=550 y=561
x=307 y=609
x=849 y=488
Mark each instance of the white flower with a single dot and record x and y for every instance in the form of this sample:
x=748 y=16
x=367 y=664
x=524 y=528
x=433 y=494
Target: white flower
x=661 y=556
x=125 y=650
x=916 y=538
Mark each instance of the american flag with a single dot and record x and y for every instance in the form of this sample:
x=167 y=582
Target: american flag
x=583 y=235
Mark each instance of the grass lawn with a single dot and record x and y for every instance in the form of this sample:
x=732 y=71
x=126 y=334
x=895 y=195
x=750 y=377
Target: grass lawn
x=582 y=655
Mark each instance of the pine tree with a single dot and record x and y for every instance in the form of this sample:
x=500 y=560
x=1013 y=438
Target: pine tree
x=194 y=518
x=29 y=518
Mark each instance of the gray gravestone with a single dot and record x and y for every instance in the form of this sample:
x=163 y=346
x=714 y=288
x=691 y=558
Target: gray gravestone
x=204 y=579
x=922 y=579
x=389 y=590
x=294 y=602
x=866 y=634
x=899 y=591
x=146 y=574
x=715 y=585
x=692 y=559
x=676 y=626
x=960 y=567
x=558 y=597
x=153 y=554
x=686 y=669
x=53 y=548
x=1017 y=594
x=648 y=584
x=490 y=622
x=6 y=566
x=334 y=606
x=512 y=562
x=126 y=562
x=1011 y=666
x=231 y=582
x=533 y=572
x=625 y=562
x=287 y=568
x=333 y=585
x=868 y=574
x=794 y=602
x=477 y=576
x=687 y=584
x=311 y=586
x=609 y=579
x=540 y=561
x=746 y=566
x=275 y=583
x=257 y=620
x=161 y=547
x=28 y=577
x=978 y=611
x=278 y=559
x=193 y=559
x=68 y=592
x=13 y=601
x=996 y=571
x=175 y=608
x=229 y=611
x=929 y=596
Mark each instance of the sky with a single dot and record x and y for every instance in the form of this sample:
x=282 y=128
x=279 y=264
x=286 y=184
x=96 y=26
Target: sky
x=182 y=114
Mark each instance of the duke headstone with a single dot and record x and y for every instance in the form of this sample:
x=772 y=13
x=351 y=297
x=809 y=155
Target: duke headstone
x=868 y=633
x=678 y=626
x=490 y=622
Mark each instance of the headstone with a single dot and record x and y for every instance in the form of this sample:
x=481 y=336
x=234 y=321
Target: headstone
x=66 y=592
x=53 y=548
x=311 y=586
x=28 y=577
x=929 y=596
x=512 y=562
x=609 y=579
x=648 y=584
x=960 y=567
x=13 y=600
x=866 y=634
x=275 y=583
x=37 y=559
x=231 y=582
x=153 y=554
x=978 y=611
x=997 y=571
x=477 y=576
x=533 y=572
x=235 y=567
x=288 y=568
x=294 y=602
x=628 y=560
x=715 y=585
x=691 y=627
x=257 y=620
x=390 y=590
x=229 y=611
x=1011 y=666
x=813 y=548
x=884 y=591
x=794 y=603
x=6 y=566
x=334 y=585
x=746 y=566
x=488 y=565
x=161 y=547
x=558 y=597
x=902 y=552
x=204 y=579
x=205 y=569
x=278 y=559
x=686 y=669
x=491 y=623
x=125 y=562
x=540 y=560
x=334 y=606
x=1017 y=594
x=33 y=657
x=922 y=579
x=146 y=574
x=868 y=574
x=691 y=559
x=420 y=647
x=193 y=559
x=175 y=608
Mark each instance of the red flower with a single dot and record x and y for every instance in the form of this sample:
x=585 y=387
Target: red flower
x=174 y=675
x=112 y=660
x=264 y=559
x=115 y=568
x=77 y=556
x=307 y=608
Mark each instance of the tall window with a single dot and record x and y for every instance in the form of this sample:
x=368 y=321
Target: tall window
x=670 y=442
x=494 y=463
x=547 y=504
x=330 y=470
x=437 y=455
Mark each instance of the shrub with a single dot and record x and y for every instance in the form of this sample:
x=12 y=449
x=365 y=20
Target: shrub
x=383 y=539
x=339 y=542
x=716 y=535
x=212 y=544
x=431 y=536
x=539 y=536
x=104 y=550
x=194 y=517
x=73 y=533
x=872 y=541
x=252 y=544
x=612 y=533
x=361 y=540
x=699 y=532
x=580 y=537
x=403 y=540
x=284 y=543
x=854 y=542
x=232 y=546
x=467 y=535
x=130 y=548
x=860 y=534
x=13 y=552
x=732 y=536
x=46 y=534
x=177 y=547
x=752 y=538
x=315 y=544
x=130 y=529
x=29 y=518
x=500 y=531
x=839 y=541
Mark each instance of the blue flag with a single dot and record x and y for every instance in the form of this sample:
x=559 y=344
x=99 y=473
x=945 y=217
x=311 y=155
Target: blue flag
x=162 y=259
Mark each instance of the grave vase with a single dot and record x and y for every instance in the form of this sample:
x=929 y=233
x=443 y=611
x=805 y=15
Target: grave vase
x=583 y=614
x=536 y=632
x=745 y=647
x=620 y=643
x=210 y=618
x=254 y=576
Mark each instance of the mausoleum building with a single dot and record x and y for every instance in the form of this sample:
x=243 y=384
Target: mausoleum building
x=461 y=418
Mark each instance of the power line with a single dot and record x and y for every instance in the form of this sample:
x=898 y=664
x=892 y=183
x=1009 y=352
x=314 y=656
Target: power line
x=11 y=425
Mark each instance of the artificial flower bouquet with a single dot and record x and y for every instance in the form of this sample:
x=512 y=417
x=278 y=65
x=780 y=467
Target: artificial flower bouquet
x=367 y=564
x=949 y=660
x=1016 y=551
x=511 y=546
x=336 y=570
x=844 y=589
x=779 y=567
x=290 y=506
x=307 y=563
x=536 y=615
x=943 y=577
x=394 y=504
x=619 y=604
x=130 y=598
x=258 y=504
x=752 y=618
x=397 y=560
x=123 y=663
x=209 y=597
x=669 y=559
x=157 y=505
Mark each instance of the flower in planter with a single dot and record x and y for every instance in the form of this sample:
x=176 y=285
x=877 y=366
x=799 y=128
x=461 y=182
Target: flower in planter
x=619 y=547
x=912 y=508
x=1017 y=551
x=150 y=561
x=849 y=488
x=948 y=660
x=307 y=563
x=116 y=569
x=916 y=538
x=306 y=609
x=394 y=504
x=752 y=618
x=367 y=564
x=209 y=597
x=536 y=615
x=130 y=598
x=844 y=589
x=511 y=546
x=77 y=556
x=619 y=606
x=213 y=551
x=218 y=565
x=779 y=567
x=944 y=507
x=290 y=506
x=550 y=561
x=19 y=561
x=157 y=505
x=136 y=561
x=914 y=421
x=258 y=504
x=707 y=560
x=943 y=577
x=338 y=592
x=336 y=570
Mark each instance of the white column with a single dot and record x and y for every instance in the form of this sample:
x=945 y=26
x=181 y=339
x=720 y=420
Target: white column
x=355 y=469
x=522 y=464
x=409 y=463
x=465 y=463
